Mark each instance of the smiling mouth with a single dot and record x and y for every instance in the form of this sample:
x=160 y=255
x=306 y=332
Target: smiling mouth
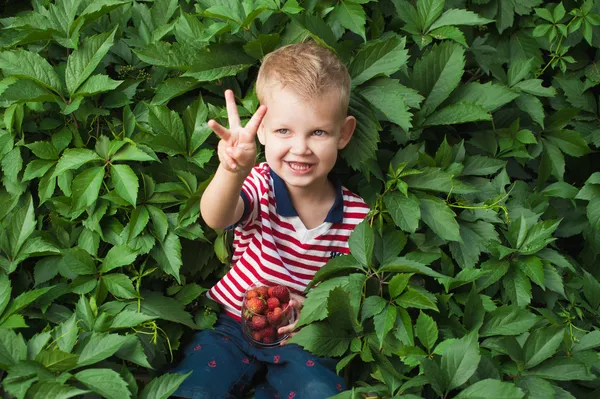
x=299 y=166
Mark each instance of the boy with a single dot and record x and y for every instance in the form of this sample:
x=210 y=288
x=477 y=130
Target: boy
x=290 y=218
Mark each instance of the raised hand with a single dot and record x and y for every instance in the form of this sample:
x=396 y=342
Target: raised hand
x=237 y=147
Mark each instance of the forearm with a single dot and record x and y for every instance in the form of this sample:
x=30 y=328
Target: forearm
x=221 y=204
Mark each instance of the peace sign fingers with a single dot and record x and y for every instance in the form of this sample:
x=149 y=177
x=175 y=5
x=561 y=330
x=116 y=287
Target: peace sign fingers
x=232 y=112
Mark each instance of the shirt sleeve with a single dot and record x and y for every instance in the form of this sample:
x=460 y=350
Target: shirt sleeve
x=252 y=190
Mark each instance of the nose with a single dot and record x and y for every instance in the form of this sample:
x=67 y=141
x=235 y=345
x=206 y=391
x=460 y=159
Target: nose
x=300 y=146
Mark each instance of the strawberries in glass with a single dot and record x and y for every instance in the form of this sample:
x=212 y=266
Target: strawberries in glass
x=265 y=308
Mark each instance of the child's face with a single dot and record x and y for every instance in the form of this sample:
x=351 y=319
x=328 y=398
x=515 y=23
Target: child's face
x=302 y=138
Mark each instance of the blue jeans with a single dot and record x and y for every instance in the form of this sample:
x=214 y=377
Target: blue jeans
x=224 y=363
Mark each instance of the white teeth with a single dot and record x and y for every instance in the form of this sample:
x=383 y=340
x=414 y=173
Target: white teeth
x=299 y=166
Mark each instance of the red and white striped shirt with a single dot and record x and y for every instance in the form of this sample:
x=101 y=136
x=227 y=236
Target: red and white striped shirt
x=271 y=243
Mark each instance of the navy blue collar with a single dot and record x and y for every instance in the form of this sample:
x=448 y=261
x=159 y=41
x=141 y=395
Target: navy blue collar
x=284 y=206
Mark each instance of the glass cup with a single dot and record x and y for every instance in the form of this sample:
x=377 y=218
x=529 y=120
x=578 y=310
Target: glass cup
x=265 y=309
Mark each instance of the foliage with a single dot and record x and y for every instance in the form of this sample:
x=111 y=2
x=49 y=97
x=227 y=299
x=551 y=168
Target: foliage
x=477 y=128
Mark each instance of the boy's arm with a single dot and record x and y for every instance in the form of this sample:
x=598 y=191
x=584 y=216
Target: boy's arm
x=221 y=204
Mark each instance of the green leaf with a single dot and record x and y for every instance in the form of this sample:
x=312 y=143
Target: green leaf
x=362 y=243
x=262 y=46
x=398 y=283
x=363 y=146
x=479 y=165
x=119 y=285
x=43 y=150
x=460 y=360
x=491 y=389
x=220 y=62
x=378 y=57
x=429 y=11
x=100 y=347
x=489 y=96
x=562 y=369
x=518 y=70
x=167 y=254
x=416 y=299
x=517 y=287
x=390 y=100
x=508 y=320
x=5 y=290
x=534 y=87
x=57 y=360
x=169 y=128
x=570 y=142
x=105 y=382
x=372 y=306
x=172 y=88
x=125 y=182
x=190 y=292
x=23 y=300
x=54 y=390
x=458 y=113
x=323 y=339
x=12 y=348
x=426 y=330
x=73 y=158
x=343 y=263
x=455 y=16
x=86 y=187
x=437 y=74
x=340 y=311
x=25 y=64
x=532 y=106
x=165 y=308
x=405 y=211
x=313 y=309
x=21 y=226
x=76 y=262
x=591 y=289
x=129 y=318
x=588 y=341
x=474 y=311
x=132 y=152
x=406 y=265
x=384 y=322
x=351 y=16
x=163 y=387
x=541 y=345
x=36 y=169
x=440 y=218
x=97 y=84
x=532 y=267
x=561 y=190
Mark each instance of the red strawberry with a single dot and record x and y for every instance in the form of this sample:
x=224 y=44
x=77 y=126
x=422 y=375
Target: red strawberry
x=274 y=317
x=272 y=303
x=256 y=305
x=280 y=292
x=268 y=331
x=257 y=336
x=259 y=322
x=262 y=291
x=251 y=294
x=270 y=292
x=268 y=340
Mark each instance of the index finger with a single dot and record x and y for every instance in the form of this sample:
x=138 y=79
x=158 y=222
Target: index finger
x=254 y=122
x=232 y=112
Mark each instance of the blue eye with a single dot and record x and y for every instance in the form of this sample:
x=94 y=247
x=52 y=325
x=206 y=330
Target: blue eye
x=319 y=133
x=282 y=131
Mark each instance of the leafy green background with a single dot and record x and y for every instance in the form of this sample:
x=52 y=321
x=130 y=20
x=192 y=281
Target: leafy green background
x=475 y=148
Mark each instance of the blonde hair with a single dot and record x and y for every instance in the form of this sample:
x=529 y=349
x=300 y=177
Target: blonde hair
x=308 y=69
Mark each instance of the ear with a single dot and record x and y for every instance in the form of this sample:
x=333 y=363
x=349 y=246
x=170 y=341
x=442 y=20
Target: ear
x=347 y=131
x=261 y=133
